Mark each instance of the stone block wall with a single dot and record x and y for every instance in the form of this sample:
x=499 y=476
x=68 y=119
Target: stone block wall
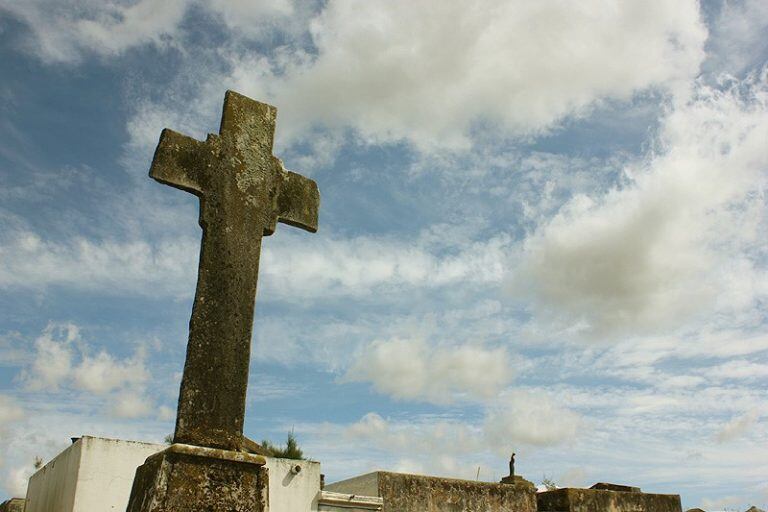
x=12 y=505
x=403 y=492
x=596 y=500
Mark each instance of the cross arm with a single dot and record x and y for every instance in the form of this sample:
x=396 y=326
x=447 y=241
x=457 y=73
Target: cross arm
x=298 y=202
x=177 y=162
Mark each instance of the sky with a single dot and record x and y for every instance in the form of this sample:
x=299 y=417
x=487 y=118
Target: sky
x=542 y=230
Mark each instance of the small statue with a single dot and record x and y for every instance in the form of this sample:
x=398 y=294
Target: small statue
x=512 y=465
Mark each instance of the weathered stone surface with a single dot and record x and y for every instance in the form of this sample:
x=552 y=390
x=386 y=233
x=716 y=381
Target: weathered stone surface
x=244 y=191
x=12 y=505
x=418 y=493
x=519 y=481
x=602 y=486
x=187 y=478
x=594 y=500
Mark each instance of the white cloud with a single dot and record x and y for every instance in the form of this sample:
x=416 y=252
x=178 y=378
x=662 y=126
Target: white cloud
x=522 y=421
x=62 y=31
x=67 y=31
x=136 y=266
x=737 y=427
x=439 y=74
x=412 y=369
x=427 y=72
x=738 y=369
x=16 y=480
x=293 y=265
x=296 y=265
x=738 y=36
x=679 y=239
x=52 y=362
x=431 y=435
x=130 y=404
x=62 y=361
x=529 y=418
x=10 y=411
x=103 y=374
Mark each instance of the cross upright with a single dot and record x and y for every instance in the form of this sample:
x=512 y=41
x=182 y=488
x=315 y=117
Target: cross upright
x=244 y=191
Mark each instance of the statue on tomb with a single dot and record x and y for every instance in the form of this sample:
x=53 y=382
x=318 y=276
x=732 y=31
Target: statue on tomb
x=512 y=465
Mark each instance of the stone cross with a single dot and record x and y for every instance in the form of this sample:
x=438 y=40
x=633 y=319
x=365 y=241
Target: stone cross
x=244 y=191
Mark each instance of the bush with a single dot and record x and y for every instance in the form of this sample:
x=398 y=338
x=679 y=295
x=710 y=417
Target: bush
x=291 y=450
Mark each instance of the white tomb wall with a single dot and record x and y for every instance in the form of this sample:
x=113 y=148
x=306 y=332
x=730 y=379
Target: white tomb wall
x=91 y=475
x=96 y=475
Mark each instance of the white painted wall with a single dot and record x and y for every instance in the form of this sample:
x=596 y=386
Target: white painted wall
x=107 y=468
x=290 y=491
x=96 y=475
x=92 y=475
x=52 y=487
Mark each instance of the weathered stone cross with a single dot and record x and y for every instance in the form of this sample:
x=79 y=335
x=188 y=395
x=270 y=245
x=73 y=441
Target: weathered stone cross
x=244 y=191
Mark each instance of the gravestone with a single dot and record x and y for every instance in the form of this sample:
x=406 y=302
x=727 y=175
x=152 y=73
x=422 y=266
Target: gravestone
x=244 y=192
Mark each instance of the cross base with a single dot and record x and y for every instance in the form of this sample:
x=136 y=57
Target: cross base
x=518 y=481
x=184 y=478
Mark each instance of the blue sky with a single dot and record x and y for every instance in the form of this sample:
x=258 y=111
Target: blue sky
x=542 y=230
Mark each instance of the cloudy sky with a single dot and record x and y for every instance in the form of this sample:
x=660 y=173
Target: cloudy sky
x=542 y=229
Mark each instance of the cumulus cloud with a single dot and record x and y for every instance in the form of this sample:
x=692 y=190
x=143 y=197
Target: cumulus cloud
x=62 y=360
x=437 y=75
x=411 y=369
x=52 y=362
x=529 y=418
x=678 y=238
x=103 y=373
x=10 y=411
x=428 y=72
x=130 y=404
x=737 y=427
x=525 y=420
x=431 y=435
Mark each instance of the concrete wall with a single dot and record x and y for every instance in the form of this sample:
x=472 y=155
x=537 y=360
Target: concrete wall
x=96 y=475
x=92 y=475
x=107 y=468
x=52 y=487
x=291 y=491
x=417 y=493
x=591 y=500
x=363 y=485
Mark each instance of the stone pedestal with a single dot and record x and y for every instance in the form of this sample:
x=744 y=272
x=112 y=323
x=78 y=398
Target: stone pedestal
x=186 y=478
x=519 y=482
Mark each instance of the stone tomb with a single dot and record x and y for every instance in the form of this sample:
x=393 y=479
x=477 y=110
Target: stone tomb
x=12 y=505
x=601 y=499
x=403 y=492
